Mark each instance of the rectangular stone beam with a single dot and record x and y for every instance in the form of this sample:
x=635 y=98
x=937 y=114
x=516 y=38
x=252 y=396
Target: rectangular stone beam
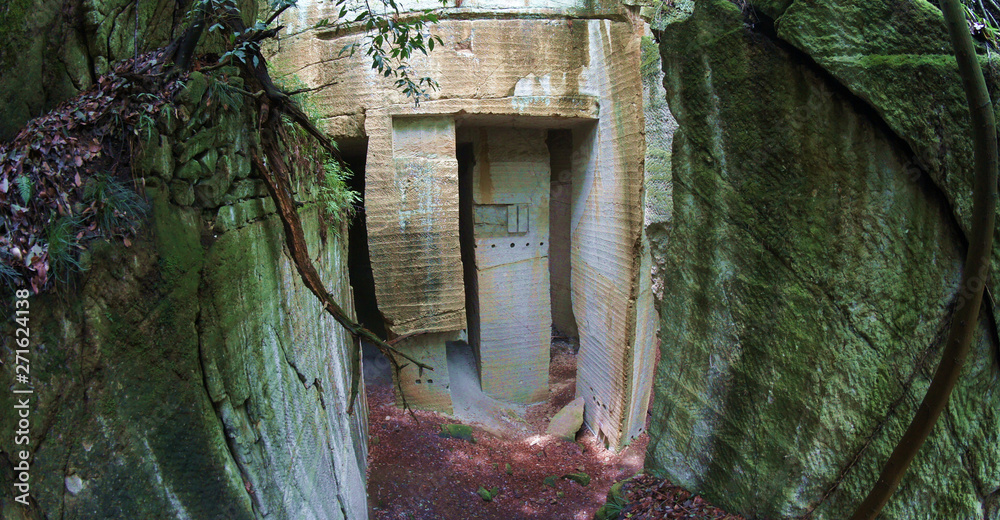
x=411 y=197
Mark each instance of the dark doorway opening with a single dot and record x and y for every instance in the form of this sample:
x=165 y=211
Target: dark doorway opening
x=359 y=266
x=560 y=144
x=465 y=153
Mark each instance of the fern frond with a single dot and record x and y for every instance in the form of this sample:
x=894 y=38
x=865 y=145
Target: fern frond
x=24 y=187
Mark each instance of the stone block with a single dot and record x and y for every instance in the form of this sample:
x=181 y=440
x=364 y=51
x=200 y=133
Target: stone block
x=567 y=421
x=197 y=144
x=194 y=89
x=190 y=171
x=181 y=192
x=158 y=158
x=424 y=389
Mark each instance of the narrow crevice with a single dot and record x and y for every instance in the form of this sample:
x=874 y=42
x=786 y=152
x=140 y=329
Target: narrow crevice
x=359 y=266
x=298 y=373
x=465 y=155
x=48 y=420
x=69 y=73
x=340 y=502
x=227 y=434
x=319 y=388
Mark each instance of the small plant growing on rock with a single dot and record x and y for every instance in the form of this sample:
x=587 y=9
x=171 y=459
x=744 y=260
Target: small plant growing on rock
x=338 y=199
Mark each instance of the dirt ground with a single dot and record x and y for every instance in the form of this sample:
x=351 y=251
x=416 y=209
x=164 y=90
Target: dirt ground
x=650 y=498
x=415 y=474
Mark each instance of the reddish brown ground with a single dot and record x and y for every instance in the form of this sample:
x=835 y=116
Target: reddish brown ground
x=414 y=474
x=649 y=498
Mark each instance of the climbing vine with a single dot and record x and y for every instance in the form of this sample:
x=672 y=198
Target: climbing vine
x=976 y=268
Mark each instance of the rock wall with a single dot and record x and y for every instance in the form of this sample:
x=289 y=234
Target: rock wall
x=510 y=190
x=660 y=128
x=50 y=50
x=548 y=65
x=811 y=263
x=192 y=375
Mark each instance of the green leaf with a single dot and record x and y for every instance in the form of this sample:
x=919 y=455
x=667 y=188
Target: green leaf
x=24 y=187
x=487 y=494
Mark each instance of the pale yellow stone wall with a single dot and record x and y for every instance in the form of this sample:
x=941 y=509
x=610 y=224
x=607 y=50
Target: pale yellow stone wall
x=565 y=67
x=512 y=173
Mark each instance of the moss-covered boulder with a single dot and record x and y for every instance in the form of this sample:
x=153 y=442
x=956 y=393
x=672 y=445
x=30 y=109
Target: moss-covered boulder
x=896 y=57
x=810 y=266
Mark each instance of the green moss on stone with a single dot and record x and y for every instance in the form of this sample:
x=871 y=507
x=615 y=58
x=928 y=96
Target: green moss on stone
x=809 y=279
x=13 y=22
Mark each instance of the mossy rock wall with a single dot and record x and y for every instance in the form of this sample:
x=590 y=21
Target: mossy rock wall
x=50 y=50
x=811 y=263
x=660 y=128
x=192 y=375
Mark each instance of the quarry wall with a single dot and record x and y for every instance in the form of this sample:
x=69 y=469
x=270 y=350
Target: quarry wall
x=545 y=65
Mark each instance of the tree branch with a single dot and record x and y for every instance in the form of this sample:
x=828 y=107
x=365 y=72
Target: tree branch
x=277 y=13
x=275 y=175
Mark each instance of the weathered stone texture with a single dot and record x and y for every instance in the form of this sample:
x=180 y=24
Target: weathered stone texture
x=660 y=128
x=412 y=208
x=810 y=268
x=512 y=175
x=192 y=375
x=425 y=389
x=546 y=70
x=606 y=236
